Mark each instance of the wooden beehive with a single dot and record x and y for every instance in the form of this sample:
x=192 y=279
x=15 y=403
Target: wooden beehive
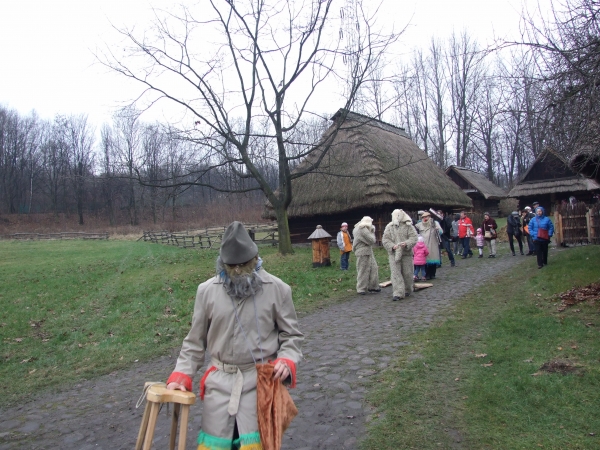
x=320 y=247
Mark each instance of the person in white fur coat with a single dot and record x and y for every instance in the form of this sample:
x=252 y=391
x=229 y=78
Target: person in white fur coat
x=367 y=272
x=399 y=238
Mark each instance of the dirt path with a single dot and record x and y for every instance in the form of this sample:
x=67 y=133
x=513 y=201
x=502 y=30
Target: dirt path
x=345 y=345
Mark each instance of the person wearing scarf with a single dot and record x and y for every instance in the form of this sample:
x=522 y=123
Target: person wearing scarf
x=431 y=232
x=244 y=317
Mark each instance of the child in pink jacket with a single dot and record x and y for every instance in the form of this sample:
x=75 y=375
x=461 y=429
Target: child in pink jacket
x=420 y=252
x=480 y=240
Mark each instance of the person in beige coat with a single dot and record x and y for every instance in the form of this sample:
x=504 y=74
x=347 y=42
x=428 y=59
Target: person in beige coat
x=243 y=316
x=399 y=237
x=367 y=272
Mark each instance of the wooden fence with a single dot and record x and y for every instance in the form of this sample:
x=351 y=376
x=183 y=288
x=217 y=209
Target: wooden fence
x=577 y=224
x=210 y=237
x=63 y=236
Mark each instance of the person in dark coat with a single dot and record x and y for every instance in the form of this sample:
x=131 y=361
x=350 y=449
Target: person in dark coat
x=489 y=228
x=446 y=224
x=513 y=229
x=526 y=216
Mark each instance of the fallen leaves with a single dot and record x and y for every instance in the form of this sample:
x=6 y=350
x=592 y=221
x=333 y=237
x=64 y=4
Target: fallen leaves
x=589 y=293
x=481 y=355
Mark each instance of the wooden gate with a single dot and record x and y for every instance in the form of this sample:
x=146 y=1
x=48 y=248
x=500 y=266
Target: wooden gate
x=574 y=225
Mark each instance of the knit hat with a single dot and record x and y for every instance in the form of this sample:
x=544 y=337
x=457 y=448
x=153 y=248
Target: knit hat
x=478 y=230
x=237 y=247
x=486 y=213
x=535 y=203
x=420 y=238
x=527 y=208
x=344 y=224
x=515 y=213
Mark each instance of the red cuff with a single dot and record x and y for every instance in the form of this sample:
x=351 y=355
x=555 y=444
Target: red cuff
x=181 y=378
x=292 y=366
x=203 y=381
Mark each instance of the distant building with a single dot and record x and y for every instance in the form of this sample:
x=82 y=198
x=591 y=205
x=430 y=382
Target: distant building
x=550 y=180
x=486 y=195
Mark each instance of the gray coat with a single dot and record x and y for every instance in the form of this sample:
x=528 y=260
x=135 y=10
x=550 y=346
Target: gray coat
x=268 y=322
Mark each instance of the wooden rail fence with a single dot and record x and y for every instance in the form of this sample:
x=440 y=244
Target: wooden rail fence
x=64 y=236
x=210 y=237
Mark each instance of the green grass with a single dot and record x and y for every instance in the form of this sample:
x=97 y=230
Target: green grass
x=73 y=310
x=442 y=393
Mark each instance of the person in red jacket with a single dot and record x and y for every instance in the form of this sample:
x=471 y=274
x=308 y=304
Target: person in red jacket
x=465 y=231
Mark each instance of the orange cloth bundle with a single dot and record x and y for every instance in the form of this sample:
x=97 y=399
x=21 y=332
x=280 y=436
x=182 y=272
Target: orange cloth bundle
x=275 y=407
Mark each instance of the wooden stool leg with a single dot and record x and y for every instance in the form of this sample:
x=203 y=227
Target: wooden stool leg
x=143 y=427
x=174 y=421
x=183 y=423
x=151 y=425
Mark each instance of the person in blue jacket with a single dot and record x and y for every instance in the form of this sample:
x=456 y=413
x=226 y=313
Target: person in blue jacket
x=541 y=230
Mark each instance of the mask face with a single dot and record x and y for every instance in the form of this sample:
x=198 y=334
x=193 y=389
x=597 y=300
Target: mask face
x=237 y=270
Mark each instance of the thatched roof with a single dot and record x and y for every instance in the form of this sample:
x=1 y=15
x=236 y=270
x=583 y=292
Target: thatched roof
x=478 y=182
x=574 y=184
x=550 y=174
x=587 y=163
x=319 y=233
x=372 y=164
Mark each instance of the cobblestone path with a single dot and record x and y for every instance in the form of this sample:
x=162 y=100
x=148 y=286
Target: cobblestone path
x=345 y=345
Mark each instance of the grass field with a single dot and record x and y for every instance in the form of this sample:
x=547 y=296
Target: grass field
x=73 y=310
x=483 y=378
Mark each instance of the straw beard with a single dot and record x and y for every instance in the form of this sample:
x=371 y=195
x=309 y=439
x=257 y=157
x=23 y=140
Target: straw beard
x=239 y=282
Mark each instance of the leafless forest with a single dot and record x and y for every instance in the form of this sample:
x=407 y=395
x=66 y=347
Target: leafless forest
x=490 y=109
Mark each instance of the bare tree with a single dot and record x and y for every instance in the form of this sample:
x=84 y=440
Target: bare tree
x=488 y=113
x=126 y=144
x=229 y=65
x=438 y=97
x=463 y=60
x=78 y=138
x=566 y=46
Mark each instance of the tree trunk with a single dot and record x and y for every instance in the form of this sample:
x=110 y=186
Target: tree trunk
x=283 y=229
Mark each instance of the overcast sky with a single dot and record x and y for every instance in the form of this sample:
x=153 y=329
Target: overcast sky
x=47 y=47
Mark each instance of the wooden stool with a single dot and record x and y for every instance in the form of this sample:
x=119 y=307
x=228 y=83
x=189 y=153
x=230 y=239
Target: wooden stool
x=156 y=394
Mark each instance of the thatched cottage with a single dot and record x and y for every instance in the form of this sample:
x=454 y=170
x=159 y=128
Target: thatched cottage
x=371 y=169
x=486 y=195
x=550 y=180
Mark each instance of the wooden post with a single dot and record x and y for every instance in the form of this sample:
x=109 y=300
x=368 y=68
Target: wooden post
x=558 y=227
x=589 y=226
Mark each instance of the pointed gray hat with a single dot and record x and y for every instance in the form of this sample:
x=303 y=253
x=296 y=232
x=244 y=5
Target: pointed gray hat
x=237 y=247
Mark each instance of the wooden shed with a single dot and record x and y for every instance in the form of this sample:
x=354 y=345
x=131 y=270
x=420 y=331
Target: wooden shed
x=485 y=195
x=552 y=181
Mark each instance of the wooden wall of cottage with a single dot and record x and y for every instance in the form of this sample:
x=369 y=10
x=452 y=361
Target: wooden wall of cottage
x=480 y=204
x=302 y=227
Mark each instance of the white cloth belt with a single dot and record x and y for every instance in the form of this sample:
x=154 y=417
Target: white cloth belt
x=238 y=383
